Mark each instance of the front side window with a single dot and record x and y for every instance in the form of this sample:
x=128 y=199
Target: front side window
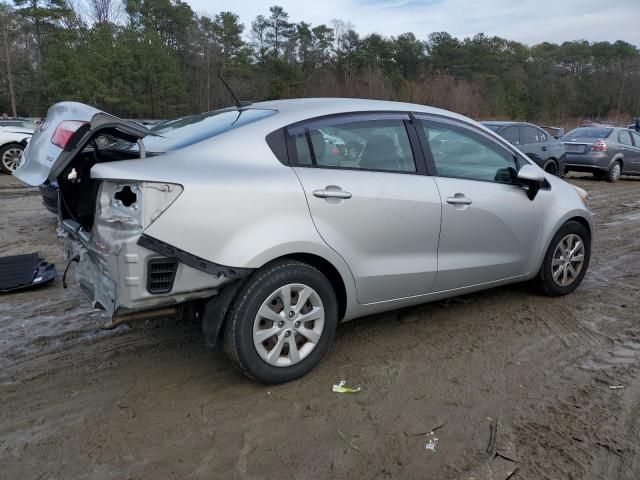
x=511 y=135
x=624 y=138
x=371 y=144
x=542 y=136
x=528 y=135
x=459 y=152
x=636 y=138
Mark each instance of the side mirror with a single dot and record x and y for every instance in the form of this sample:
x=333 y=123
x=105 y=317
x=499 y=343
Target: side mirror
x=532 y=178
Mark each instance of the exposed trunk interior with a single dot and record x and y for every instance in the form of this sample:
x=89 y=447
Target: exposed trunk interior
x=78 y=192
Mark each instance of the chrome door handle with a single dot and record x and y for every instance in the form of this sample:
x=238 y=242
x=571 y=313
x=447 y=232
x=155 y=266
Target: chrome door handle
x=459 y=199
x=331 y=194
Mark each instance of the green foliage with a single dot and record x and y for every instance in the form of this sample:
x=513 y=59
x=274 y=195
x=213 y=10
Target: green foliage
x=162 y=60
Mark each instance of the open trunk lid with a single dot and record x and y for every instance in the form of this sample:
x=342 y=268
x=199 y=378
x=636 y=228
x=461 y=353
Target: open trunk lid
x=45 y=160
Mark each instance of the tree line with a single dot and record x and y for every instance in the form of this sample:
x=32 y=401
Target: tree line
x=160 y=59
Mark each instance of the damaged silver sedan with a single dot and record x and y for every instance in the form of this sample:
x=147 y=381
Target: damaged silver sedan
x=275 y=221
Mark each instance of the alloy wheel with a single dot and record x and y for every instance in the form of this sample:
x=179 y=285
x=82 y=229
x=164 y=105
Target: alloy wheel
x=288 y=325
x=568 y=260
x=12 y=158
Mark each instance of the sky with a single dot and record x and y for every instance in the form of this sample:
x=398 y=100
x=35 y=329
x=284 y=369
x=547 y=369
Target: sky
x=526 y=21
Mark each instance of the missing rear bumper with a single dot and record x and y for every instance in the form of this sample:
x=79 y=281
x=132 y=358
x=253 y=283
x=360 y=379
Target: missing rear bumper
x=115 y=278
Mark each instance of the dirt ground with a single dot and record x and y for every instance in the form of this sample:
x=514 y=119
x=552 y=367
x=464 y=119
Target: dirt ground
x=151 y=401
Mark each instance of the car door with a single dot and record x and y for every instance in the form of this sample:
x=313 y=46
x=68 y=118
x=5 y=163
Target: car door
x=636 y=146
x=630 y=151
x=371 y=200
x=490 y=231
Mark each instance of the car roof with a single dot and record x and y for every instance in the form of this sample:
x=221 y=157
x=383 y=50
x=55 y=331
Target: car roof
x=300 y=109
x=506 y=123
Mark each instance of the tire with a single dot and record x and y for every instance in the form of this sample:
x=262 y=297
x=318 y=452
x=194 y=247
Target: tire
x=263 y=292
x=551 y=166
x=8 y=160
x=613 y=175
x=555 y=259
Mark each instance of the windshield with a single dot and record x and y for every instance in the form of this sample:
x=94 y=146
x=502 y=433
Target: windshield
x=184 y=131
x=590 y=132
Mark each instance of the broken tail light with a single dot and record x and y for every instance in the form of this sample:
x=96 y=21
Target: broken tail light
x=65 y=132
x=599 y=146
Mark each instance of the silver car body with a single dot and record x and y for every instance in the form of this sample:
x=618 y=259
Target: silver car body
x=226 y=206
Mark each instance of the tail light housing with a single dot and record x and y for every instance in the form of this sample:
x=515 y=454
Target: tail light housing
x=65 y=132
x=599 y=146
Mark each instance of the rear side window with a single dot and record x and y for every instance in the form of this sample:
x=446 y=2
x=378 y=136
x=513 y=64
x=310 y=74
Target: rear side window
x=528 y=135
x=371 y=144
x=636 y=138
x=459 y=152
x=511 y=135
x=624 y=138
x=590 y=132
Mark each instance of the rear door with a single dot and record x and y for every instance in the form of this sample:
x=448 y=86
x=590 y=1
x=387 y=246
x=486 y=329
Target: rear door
x=490 y=231
x=63 y=134
x=371 y=200
x=636 y=145
x=630 y=151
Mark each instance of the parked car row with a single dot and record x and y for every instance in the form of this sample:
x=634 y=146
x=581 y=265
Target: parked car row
x=605 y=151
x=276 y=221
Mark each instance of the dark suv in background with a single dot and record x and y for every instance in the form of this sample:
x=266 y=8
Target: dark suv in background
x=541 y=147
x=605 y=151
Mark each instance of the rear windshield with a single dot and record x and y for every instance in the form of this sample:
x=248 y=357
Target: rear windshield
x=492 y=126
x=184 y=131
x=590 y=132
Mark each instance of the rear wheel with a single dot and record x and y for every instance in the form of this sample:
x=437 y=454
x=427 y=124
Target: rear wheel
x=10 y=157
x=566 y=261
x=551 y=167
x=613 y=175
x=281 y=322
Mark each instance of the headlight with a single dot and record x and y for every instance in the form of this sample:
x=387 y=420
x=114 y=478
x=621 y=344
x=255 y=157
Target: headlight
x=583 y=195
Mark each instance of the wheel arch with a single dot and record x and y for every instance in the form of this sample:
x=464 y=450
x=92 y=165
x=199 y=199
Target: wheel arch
x=328 y=270
x=575 y=216
x=619 y=157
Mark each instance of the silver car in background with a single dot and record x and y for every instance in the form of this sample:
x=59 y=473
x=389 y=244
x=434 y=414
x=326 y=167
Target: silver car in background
x=605 y=151
x=276 y=221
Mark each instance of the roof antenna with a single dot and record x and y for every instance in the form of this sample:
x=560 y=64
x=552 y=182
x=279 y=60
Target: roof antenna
x=239 y=103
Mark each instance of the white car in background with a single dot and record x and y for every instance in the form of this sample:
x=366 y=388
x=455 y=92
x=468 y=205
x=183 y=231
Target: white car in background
x=14 y=136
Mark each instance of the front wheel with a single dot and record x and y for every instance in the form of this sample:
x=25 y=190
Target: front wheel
x=10 y=157
x=551 y=167
x=566 y=261
x=281 y=322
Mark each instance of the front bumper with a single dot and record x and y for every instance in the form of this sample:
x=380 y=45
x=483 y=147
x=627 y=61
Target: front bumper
x=114 y=276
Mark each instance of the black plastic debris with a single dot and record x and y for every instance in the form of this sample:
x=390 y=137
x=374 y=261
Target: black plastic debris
x=20 y=272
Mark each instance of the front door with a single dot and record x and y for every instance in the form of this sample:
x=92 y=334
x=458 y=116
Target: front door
x=491 y=231
x=371 y=201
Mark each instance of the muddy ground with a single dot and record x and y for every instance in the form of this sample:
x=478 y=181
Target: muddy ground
x=151 y=401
